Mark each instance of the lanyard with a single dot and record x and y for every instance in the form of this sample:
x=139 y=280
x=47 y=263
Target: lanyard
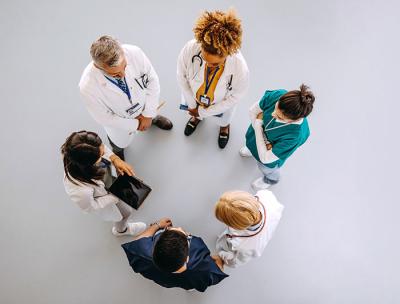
x=284 y=125
x=127 y=92
x=208 y=84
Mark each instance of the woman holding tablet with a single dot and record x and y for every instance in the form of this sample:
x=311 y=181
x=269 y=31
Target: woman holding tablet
x=87 y=172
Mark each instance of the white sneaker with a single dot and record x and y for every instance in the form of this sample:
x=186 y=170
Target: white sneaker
x=259 y=184
x=132 y=229
x=245 y=152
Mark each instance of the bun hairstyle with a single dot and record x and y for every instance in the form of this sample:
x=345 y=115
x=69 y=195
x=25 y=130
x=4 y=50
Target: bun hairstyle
x=219 y=33
x=237 y=209
x=297 y=104
x=81 y=151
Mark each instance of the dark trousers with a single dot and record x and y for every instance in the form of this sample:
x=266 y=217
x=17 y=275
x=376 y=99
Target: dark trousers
x=117 y=150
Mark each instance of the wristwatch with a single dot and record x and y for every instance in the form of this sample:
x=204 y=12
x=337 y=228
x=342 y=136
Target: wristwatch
x=156 y=223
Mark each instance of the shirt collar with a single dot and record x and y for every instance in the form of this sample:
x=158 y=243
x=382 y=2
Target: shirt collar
x=298 y=122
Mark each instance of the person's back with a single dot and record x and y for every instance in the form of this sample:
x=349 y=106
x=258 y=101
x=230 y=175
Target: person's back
x=278 y=128
x=251 y=222
x=172 y=258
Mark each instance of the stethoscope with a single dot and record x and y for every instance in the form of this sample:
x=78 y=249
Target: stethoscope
x=145 y=81
x=272 y=119
x=198 y=57
x=201 y=61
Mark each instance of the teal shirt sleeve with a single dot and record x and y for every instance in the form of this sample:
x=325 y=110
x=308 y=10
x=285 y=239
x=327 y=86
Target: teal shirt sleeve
x=285 y=147
x=270 y=98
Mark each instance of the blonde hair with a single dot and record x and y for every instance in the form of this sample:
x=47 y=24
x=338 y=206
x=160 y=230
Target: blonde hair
x=237 y=209
x=107 y=51
x=219 y=33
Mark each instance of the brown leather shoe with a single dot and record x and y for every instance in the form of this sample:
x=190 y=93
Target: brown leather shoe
x=162 y=122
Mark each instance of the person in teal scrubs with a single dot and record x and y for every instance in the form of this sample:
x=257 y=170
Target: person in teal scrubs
x=278 y=127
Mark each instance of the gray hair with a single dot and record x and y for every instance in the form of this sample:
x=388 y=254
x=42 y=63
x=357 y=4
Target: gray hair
x=106 y=51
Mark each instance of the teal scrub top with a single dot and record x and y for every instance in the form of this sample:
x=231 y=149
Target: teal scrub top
x=285 y=140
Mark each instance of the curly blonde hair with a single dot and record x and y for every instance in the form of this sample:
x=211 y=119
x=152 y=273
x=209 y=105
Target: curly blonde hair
x=219 y=33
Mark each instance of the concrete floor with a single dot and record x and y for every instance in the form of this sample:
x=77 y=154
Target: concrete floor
x=338 y=241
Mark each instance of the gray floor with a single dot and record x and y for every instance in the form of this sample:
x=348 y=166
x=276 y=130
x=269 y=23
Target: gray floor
x=338 y=241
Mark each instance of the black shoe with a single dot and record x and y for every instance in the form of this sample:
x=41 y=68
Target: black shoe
x=162 y=122
x=191 y=126
x=223 y=138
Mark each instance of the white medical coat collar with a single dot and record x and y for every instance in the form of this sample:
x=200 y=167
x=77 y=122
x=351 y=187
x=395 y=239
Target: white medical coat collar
x=100 y=76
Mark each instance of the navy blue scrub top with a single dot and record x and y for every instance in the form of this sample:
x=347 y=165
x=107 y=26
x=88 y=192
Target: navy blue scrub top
x=201 y=270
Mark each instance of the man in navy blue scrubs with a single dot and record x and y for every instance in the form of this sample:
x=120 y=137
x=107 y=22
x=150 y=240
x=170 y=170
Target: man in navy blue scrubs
x=173 y=258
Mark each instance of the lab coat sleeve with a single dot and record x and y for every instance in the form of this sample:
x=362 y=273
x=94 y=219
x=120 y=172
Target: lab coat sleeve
x=240 y=84
x=227 y=257
x=254 y=111
x=266 y=156
x=107 y=153
x=105 y=116
x=83 y=197
x=184 y=60
x=152 y=99
x=235 y=258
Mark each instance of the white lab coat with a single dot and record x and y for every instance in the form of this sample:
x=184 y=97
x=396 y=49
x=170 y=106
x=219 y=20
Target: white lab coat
x=107 y=103
x=94 y=199
x=238 y=251
x=191 y=76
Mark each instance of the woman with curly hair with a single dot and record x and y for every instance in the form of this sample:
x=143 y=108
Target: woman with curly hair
x=212 y=73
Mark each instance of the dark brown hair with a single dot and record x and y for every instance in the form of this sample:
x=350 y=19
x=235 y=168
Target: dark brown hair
x=81 y=151
x=170 y=251
x=297 y=104
x=219 y=33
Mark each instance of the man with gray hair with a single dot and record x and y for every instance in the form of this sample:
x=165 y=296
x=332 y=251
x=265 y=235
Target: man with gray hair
x=121 y=91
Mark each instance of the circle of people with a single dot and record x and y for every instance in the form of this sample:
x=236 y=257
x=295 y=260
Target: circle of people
x=121 y=91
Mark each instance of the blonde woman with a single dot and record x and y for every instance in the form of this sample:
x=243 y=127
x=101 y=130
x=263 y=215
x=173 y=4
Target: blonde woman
x=251 y=222
x=212 y=73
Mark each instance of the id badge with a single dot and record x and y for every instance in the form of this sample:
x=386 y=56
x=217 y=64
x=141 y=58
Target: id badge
x=133 y=109
x=205 y=100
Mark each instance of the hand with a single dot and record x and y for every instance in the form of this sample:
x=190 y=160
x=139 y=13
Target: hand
x=269 y=146
x=165 y=222
x=194 y=112
x=260 y=115
x=121 y=166
x=144 y=122
x=218 y=261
